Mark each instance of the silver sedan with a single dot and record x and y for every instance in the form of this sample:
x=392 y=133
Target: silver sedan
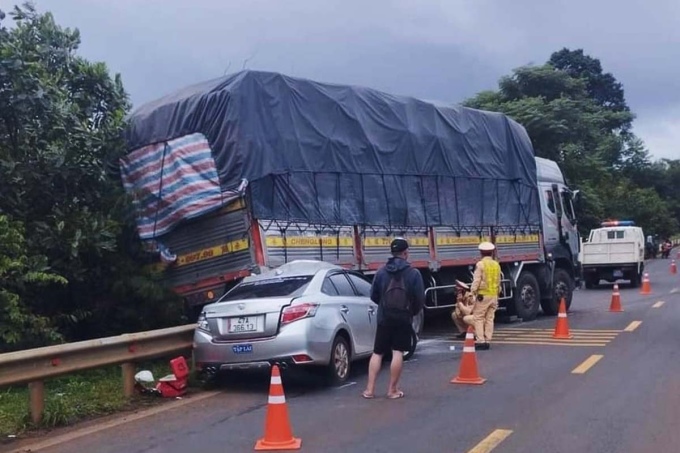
x=307 y=313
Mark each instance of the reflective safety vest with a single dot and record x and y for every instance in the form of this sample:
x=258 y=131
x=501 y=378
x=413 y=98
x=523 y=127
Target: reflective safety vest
x=492 y=278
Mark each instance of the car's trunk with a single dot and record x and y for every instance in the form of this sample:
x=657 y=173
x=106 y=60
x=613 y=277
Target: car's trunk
x=246 y=319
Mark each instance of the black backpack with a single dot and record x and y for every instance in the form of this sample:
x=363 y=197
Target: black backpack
x=395 y=301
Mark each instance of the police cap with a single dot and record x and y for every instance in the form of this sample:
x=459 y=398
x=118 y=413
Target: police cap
x=486 y=247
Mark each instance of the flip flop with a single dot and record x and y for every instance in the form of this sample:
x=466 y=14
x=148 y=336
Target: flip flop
x=368 y=396
x=396 y=396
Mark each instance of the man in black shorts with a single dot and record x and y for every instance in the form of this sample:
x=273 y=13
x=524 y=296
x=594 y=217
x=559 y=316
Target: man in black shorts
x=399 y=291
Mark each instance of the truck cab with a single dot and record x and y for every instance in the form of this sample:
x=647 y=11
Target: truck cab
x=616 y=251
x=560 y=230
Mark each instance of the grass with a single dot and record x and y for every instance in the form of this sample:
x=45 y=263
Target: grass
x=73 y=398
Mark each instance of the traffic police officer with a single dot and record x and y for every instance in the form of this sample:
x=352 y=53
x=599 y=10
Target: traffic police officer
x=462 y=314
x=486 y=287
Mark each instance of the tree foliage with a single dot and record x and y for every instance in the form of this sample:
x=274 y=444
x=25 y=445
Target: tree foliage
x=61 y=121
x=577 y=115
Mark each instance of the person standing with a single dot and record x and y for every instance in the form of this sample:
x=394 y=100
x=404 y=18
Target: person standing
x=486 y=285
x=399 y=291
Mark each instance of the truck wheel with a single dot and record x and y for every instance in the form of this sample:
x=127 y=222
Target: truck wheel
x=562 y=287
x=591 y=282
x=635 y=279
x=527 y=297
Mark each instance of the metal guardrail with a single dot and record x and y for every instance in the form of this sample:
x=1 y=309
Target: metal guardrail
x=33 y=366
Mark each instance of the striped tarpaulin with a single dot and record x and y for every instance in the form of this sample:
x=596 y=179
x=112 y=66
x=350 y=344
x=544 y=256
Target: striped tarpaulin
x=171 y=181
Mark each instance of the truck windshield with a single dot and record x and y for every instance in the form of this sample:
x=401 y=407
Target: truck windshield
x=276 y=287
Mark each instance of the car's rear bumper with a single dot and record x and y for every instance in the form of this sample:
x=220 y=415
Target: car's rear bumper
x=287 y=347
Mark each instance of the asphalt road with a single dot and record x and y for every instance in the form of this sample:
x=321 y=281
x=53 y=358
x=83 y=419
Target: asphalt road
x=627 y=401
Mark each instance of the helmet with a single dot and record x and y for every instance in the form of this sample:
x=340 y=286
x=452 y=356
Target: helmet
x=486 y=247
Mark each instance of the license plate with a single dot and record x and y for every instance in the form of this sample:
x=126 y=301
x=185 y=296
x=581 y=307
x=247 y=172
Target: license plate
x=242 y=348
x=618 y=274
x=244 y=324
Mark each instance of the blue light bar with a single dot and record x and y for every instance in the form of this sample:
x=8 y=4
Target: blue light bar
x=615 y=223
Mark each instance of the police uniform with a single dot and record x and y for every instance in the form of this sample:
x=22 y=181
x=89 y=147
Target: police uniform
x=462 y=314
x=486 y=283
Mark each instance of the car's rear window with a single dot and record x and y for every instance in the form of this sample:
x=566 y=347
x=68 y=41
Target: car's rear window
x=615 y=234
x=275 y=287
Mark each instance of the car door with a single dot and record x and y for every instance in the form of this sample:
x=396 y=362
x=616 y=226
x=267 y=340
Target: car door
x=363 y=289
x=354 y=312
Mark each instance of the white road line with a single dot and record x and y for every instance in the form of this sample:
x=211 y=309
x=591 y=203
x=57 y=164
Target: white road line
x=349 y=384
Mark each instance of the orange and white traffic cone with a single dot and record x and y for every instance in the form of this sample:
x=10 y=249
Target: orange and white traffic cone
x=616 y=300
x=277 y=431
x=674 y=268
x=646 y=286
x=468 y=373
x=562 y=324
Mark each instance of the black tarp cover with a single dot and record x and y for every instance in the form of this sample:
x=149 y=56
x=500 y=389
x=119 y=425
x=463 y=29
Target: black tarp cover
x=345 y=155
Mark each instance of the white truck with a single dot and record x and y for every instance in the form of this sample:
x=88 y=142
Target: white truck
x=614 y=252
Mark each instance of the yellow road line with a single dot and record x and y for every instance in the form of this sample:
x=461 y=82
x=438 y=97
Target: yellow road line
x=577 y=337
x=554 y=340
x=549 y=334
x=546 y=343
x=587 y=364
x=632 y=326
x=521 y=329
x=491 y=441
x=658 y=304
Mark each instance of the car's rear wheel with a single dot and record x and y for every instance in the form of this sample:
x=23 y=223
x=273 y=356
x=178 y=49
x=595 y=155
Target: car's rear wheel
x=340 y=362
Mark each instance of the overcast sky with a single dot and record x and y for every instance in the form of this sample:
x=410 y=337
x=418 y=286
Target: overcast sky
x=444 y=50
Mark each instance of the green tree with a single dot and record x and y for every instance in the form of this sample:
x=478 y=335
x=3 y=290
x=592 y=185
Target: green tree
x=19 y=326
x=61 y=123
x=603 y=88
x=577 y=116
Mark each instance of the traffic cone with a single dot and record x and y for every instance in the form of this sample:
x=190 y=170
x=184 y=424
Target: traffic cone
x=616 y=300
x=277 y=431
x=562 y=324
x=646 y=286
x=674 y=268
x=468 y=373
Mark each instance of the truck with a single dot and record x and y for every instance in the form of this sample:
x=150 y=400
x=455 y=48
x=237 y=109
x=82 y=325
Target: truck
x=616 y=251
x=247 y=172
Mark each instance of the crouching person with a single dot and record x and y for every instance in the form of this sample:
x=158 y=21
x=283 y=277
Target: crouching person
x=462 y=314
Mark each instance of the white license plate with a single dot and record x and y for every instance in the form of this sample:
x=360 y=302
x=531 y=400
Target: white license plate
x=244 y=324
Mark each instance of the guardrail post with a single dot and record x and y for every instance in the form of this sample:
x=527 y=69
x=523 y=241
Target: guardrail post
x=128 y=370
x=36 y=392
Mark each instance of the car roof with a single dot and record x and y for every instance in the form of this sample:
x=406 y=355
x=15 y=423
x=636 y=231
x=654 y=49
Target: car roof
x=297 y=268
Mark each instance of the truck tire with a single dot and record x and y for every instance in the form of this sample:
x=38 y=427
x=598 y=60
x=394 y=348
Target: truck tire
x=527 y=297
x=562 y=287
x=592 y=283
x=635 y=279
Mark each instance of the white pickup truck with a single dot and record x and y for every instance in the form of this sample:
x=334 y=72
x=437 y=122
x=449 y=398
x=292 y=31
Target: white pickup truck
x=614 y=252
